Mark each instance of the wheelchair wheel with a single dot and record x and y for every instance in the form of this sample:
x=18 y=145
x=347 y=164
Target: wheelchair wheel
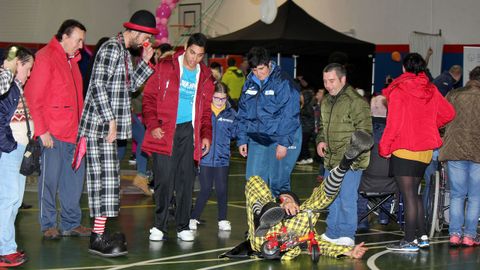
x=315 y=253
x=270 y=253
x=433 y=205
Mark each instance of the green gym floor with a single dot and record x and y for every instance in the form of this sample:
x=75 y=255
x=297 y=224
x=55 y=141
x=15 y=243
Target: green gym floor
x=136 y=218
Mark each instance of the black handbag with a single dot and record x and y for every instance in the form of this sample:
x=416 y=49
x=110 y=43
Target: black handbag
x=33 y=151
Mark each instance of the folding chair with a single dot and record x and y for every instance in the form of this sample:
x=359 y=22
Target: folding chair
x=378 y=187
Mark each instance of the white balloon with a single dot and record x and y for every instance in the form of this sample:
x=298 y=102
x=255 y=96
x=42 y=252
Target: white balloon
x=268 y=11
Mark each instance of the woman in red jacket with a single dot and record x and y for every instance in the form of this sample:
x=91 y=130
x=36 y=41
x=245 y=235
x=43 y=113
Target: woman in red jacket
x=416 y=110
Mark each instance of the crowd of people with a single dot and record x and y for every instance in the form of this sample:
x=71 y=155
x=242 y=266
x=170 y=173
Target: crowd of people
x=188 y=115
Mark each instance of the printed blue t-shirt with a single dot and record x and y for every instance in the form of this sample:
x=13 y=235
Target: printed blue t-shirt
x=188 y=83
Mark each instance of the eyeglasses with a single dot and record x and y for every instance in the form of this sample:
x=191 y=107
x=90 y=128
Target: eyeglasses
x=219 y=99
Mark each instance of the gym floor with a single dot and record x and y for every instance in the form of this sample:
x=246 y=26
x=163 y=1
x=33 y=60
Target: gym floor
x=136 y=218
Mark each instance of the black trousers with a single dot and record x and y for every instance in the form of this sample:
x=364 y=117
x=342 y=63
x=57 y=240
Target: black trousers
x=175 y=173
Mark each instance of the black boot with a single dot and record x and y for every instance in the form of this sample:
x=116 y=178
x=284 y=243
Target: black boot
x=107 y=246
x=264 y=219
x=360 y=142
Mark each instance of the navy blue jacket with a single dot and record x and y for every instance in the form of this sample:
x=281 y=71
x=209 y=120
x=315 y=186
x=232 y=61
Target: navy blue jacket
x=268 y=111
x=223 y=130
x=8 y=105
x=445 y=82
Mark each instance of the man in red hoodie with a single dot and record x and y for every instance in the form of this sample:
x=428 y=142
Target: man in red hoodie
x=54 y=94
x=176 y=109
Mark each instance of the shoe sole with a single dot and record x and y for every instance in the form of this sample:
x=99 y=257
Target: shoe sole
x=403 y=250
x=107 y=255
x=361 y=141
x=73 y=234
x=270 y=218
x=51 y=237
x=186 y=240
x=13 y=264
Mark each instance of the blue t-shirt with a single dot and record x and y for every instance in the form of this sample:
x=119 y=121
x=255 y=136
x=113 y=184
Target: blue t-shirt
x=188 y=84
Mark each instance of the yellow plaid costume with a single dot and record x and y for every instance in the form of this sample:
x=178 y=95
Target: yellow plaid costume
x=256 y=191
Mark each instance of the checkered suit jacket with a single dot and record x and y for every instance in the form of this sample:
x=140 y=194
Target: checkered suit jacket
x=108 y=95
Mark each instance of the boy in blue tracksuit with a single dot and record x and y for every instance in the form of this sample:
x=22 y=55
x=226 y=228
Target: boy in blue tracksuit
x=269 y=128
x=214 y=166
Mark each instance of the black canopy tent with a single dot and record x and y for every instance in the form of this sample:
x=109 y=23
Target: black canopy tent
x=295 y=32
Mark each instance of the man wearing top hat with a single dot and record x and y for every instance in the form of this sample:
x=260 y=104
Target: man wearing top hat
x=106 y=118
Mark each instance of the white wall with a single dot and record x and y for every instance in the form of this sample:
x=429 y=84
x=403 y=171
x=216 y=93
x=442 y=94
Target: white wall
x=377 y=21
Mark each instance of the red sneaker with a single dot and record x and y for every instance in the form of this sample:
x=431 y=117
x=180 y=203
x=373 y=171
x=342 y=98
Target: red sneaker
x=12 y=260
x=455 y=240
x=470 y=242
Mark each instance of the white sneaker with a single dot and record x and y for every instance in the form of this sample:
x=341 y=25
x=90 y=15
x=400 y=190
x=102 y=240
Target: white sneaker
x=302 y=162
x=193 y=224
x=345 y=241
x=309 y=161
x=186 y=235
x=224 y=225
x=156 y=234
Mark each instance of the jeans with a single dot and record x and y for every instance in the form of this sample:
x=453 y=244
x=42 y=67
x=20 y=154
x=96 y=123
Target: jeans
x=208 y=176
x=342 y=213
x=12 y=187
x=138 y=133
x=464 y=179
x=57 y=175
x=432 y=167
x=261 y=161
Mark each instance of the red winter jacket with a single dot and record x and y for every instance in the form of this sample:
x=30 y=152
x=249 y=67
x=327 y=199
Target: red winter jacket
x=54 y=93
x=416 y=110
x=160 y=105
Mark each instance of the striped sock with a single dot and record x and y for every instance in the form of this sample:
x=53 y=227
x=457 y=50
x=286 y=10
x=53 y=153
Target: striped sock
x=334 y=180
x=99 y=226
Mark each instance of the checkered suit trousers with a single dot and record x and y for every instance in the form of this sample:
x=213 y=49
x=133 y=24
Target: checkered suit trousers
x=103 y=178
x=256 y=191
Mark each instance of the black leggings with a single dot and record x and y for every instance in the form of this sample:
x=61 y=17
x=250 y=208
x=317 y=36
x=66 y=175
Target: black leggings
x=414 y=212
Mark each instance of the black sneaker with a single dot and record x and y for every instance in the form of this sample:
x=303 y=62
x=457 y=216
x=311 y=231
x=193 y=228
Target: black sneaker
x=270 y=215
x=403 y=246
x=360 y=142
x=106 y=246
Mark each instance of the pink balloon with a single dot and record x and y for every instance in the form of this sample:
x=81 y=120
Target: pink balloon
x=163 y=21
x=164 y=11
x=164 y=1
x=163 y=32
x=169 y=2
x=172 y=6
x=164 y=40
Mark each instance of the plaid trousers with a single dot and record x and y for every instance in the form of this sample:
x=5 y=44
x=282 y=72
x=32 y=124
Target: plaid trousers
x=103 y=178
x=256 y=191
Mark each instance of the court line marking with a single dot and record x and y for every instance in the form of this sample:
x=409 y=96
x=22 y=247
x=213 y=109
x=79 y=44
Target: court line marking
x=371 y=260
x=159 y=263
x=229 y=264
x=147 y=262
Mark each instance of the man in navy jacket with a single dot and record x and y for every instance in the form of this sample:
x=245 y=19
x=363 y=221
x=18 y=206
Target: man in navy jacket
x=269 y=128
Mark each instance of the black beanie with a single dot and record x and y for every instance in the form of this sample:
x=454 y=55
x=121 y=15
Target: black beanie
x=142 y=21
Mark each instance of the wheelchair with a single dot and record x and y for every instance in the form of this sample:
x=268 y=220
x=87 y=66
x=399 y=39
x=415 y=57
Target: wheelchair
x=438 y=203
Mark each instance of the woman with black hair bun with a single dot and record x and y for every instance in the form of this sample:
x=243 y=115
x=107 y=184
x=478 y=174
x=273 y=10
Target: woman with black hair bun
x=416 y=110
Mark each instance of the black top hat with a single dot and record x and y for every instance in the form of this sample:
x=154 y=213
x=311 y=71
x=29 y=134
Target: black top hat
x=142 y=21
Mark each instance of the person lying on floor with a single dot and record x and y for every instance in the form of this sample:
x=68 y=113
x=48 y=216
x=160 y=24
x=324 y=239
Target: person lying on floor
x=265 y=216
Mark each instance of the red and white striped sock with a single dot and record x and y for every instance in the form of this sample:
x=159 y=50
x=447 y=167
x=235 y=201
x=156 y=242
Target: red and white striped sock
x=99 y=226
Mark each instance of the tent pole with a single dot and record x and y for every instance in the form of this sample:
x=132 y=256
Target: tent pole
x=295 y=65
x=278 y=59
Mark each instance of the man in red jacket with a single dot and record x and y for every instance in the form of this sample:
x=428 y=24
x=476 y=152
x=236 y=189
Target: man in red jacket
x=54 y=94
x=176 y=109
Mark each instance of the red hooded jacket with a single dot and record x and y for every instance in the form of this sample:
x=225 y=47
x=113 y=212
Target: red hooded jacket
x=54 y=93
x=160 y=105
x=416 y=110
